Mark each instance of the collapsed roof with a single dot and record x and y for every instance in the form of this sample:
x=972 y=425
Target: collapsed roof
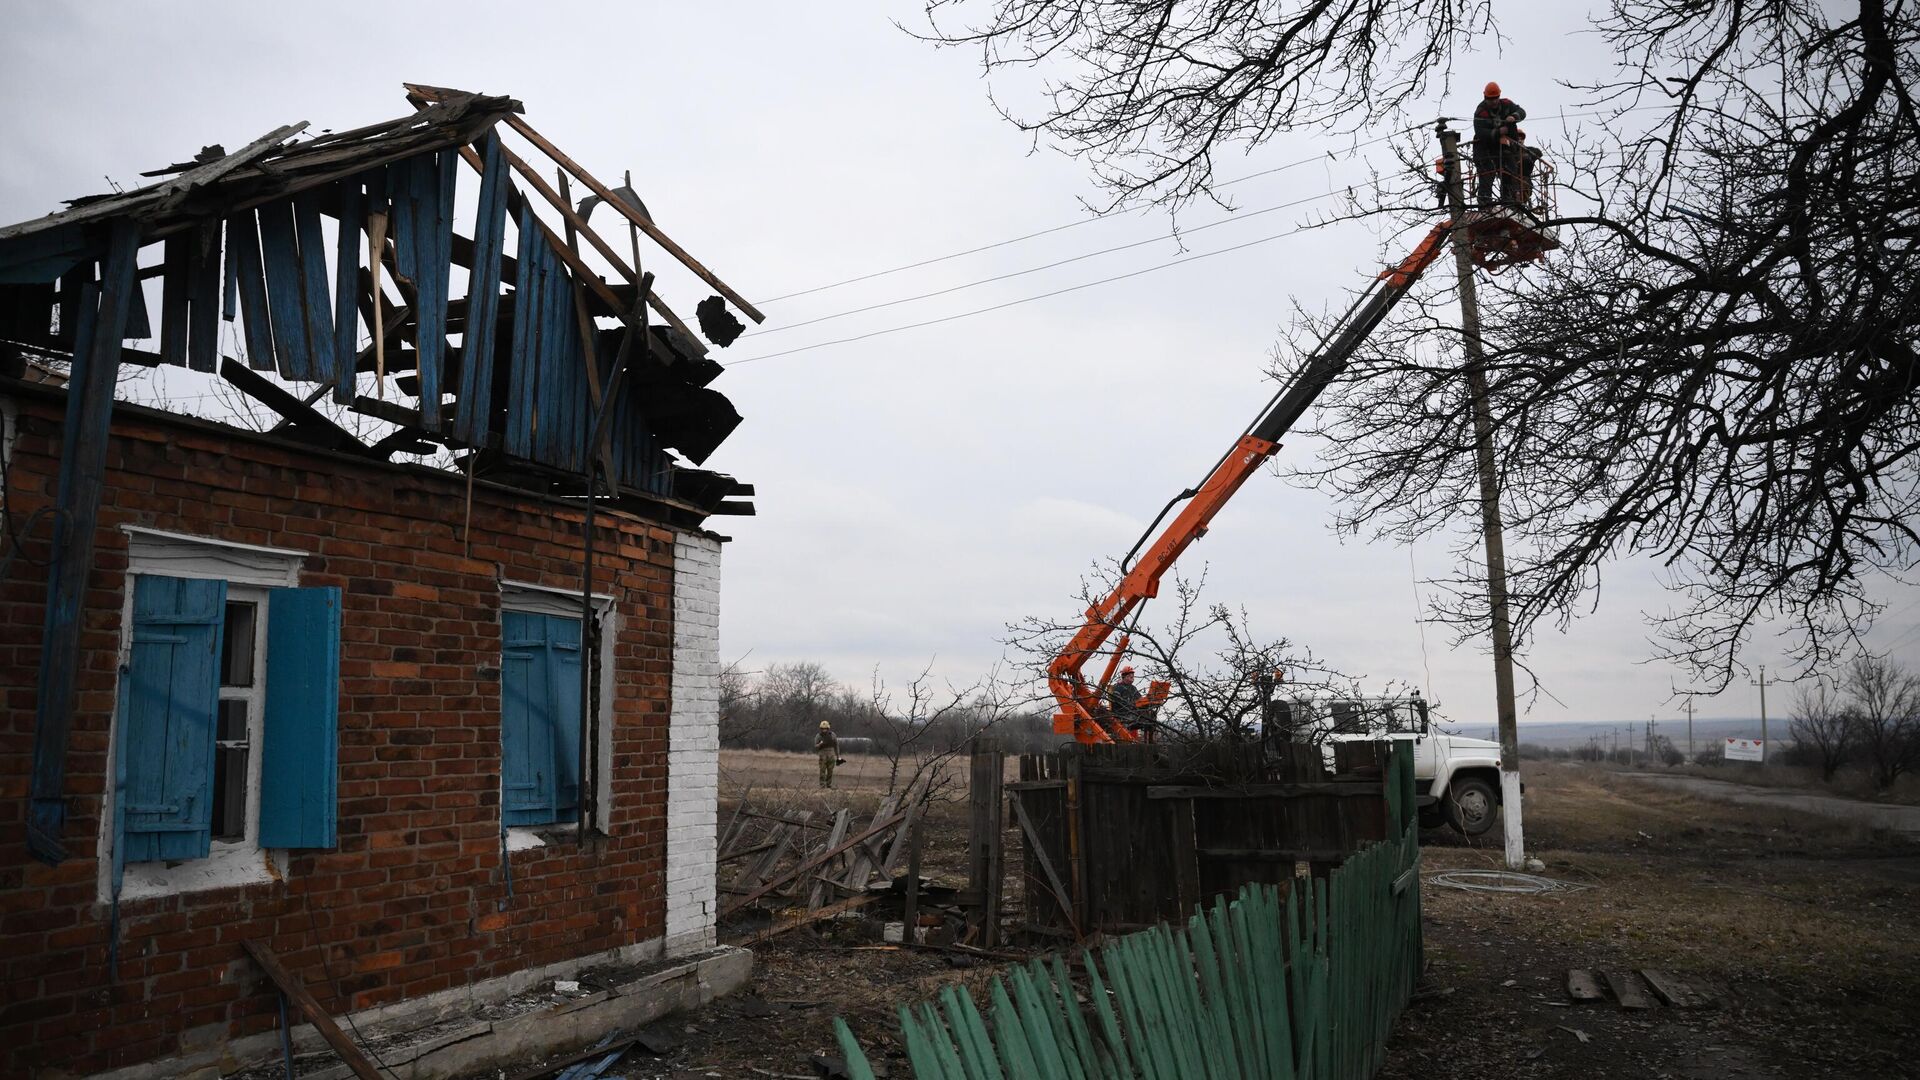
x=348 y=267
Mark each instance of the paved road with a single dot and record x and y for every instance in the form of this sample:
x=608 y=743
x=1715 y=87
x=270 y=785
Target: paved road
x=1889 y=816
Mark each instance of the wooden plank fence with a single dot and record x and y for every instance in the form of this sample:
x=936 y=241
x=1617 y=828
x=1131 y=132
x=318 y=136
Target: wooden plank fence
x=1298 y=983
x=1115 y=838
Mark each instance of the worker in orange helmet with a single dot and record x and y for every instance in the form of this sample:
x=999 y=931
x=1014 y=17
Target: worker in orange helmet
x=1496 y=126
x=1123 y=698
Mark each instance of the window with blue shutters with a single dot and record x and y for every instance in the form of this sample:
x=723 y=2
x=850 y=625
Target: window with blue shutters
x=539 y=718
x=226 y=732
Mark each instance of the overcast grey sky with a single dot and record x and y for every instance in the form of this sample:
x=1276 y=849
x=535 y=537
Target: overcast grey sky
x=917 y=490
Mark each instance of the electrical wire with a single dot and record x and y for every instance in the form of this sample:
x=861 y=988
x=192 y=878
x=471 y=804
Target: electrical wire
x=1174 y=235
x=1321 y=156
x=1025 y=299
x=1075 y=223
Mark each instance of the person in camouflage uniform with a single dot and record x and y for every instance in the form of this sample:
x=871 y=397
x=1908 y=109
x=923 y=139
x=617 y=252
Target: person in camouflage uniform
x=829 y=750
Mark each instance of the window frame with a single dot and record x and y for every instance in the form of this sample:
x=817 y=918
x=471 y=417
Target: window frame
x=251 y=572
x=533 y=599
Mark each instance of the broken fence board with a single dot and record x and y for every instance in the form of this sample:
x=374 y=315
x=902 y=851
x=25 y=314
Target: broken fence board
x=1581 y=986
x=818 y=894
x=812 y=864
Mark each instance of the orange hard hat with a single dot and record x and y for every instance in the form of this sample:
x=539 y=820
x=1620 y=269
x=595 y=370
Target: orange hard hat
x=1493 y=89
x=1128 y=670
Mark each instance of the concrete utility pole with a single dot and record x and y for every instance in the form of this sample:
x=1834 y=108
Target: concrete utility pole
x=1689 y=731
x=1489 y=505
x=1762 y=682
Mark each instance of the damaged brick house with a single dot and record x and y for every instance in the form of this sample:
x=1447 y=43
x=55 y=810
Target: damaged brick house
x=415 y=690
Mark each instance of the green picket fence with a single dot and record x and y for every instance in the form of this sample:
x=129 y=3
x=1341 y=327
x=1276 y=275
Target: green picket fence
x=1300 y=986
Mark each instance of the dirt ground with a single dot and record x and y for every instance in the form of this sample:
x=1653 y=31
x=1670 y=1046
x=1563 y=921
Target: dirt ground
x=1806 y=928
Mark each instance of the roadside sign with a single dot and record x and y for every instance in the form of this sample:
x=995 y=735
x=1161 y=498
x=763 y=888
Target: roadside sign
x=1746 y=750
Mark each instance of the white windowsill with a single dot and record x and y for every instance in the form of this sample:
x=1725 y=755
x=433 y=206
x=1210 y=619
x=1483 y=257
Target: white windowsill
x=528 y=837
x=229 y=865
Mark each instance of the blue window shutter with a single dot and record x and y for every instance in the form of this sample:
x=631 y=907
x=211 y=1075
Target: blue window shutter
x=526 y=730
x=169 y=693
x=299 y=752
x=539 y=718
x=563 y=659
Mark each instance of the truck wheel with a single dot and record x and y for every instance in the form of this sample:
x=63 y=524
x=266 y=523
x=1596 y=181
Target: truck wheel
x=1472 y=806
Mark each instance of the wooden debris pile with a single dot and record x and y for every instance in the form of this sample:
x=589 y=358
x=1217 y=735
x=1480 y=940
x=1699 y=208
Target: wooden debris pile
x=807 y=865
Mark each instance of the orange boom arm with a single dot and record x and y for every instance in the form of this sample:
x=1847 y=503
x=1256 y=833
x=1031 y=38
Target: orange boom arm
x=1083 y=712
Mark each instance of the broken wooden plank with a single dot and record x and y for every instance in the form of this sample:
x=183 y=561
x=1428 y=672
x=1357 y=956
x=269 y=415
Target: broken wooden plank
x=1672 y=990
x=750 y=878
x=243 y=250
x=203 y=294
x=473 y=411
x=1627 y=990
x=860 y=871
x=558 y=157
x=910 y=921
x=171 y=192
x=1581 y=986
x=816 y=915
x=302 y=416
x=296 y=992
x=814 y=863
x=818 y=894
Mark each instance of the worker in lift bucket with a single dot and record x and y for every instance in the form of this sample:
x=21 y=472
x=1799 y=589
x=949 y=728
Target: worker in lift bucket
x=1123 y=697
x=828 y=748
x=1496 y=121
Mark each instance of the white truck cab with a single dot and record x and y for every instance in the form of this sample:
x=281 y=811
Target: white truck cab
x=1456 y=778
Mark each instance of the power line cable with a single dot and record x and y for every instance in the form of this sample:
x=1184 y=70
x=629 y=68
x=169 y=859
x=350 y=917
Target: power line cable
x=1027 y=299
x=1175 y=234
x=1323 y=155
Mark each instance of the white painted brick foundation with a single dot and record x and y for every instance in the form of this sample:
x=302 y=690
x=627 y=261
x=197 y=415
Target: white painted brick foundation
x=693 y=744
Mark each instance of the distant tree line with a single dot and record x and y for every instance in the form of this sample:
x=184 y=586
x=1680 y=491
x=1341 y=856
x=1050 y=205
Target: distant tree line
x=780 y=708
x=1868 y=716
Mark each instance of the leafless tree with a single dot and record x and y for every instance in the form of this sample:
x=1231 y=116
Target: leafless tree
x=1885 y=703
x=1717 y=372
x=1149 y=90
x=934 y=724
x=1823 y=726
x=1215 y=663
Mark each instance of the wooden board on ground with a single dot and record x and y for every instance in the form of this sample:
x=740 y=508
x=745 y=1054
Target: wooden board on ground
x=296 y=992
x=1628 y=990
x=1581 y=986
x=1673 y=990
x=814 y=916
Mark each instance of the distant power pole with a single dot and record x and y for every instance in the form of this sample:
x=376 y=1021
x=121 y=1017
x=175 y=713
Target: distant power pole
x=1689 y=730
x=1762 y=683
x=1501 y=627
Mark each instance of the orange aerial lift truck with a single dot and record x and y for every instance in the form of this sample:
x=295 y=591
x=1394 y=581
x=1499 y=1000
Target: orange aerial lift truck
x=1499 y=236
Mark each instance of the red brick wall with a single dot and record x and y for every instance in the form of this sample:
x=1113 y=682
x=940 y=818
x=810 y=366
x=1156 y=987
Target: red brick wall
x=409 y=902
